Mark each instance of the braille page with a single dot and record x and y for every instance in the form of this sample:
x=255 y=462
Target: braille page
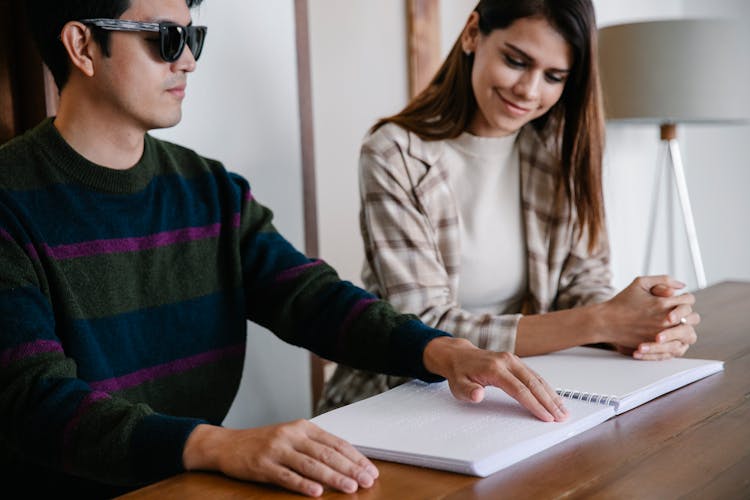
x=423 y=424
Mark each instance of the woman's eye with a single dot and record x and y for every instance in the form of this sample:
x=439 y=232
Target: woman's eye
x=553 y=78
x=514 y=63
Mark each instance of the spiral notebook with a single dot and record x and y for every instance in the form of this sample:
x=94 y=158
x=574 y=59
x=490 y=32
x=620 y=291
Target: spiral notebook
x=423 y=424
x=606 y=377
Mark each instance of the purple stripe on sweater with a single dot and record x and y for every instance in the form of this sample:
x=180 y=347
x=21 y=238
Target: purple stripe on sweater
x=28 y=350
x=134 y=244
x=30 y=250
x=177 y=366
x=358 y=308
x=293 y=272
x=70 y=427
x=120 y=245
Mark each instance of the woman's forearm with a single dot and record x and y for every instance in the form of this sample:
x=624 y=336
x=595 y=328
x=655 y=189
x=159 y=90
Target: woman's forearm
x=543 y=333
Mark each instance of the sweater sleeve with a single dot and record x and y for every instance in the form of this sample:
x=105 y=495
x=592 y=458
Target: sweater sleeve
x=305 y=303
x=52 y=418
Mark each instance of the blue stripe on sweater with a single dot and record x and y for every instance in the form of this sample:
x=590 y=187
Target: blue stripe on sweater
x=25 y=316
x=334 y=305
x=169 y=202
x=265 y=256
x=117 y=345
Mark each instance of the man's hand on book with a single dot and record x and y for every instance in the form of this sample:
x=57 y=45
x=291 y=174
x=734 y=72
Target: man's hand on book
x=299 y=456
x=469 y=370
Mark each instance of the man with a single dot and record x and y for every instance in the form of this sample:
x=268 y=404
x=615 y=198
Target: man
x=129 y=267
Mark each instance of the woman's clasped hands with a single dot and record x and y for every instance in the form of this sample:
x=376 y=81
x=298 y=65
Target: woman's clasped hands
x=650 y=319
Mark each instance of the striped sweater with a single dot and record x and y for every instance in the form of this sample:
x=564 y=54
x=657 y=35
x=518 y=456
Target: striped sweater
x=124 y=297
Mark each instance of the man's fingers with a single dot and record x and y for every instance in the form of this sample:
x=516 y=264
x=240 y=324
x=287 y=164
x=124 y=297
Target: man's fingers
x=342 y=446
x=315 y=464
x=291 y=480
x=341 y=457
x=544 y=393
x=476 y=393
x=323 y=466
x=533 y=392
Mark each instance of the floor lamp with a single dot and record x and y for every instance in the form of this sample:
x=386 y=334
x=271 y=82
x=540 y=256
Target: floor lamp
x=669 y=73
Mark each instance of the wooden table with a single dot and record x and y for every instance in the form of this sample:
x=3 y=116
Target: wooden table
x=691 y=443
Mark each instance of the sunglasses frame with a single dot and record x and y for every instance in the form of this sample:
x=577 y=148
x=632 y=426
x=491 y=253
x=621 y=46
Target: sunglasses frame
x=196 y=34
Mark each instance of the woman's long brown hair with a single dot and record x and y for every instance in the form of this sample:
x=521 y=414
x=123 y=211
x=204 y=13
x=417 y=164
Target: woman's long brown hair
x=444 y=109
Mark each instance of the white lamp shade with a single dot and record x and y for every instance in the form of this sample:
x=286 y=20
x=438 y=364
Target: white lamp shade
x=676 y=71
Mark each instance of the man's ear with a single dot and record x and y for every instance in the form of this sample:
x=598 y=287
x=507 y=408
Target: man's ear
x=79 y=43
x=470 y=34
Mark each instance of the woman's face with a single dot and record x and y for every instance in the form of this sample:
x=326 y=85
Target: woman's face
x=519 y=73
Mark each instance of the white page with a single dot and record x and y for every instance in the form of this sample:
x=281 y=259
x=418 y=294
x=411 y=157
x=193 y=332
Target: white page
x=423 y=424
x=631 y=381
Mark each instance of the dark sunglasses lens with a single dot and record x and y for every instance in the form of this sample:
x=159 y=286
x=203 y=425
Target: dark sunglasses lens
x=196 y=36
x=172 y=42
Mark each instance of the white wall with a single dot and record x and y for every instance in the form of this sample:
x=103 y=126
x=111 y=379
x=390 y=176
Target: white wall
x=453 y=17
x=358 y=58
x=242 y=109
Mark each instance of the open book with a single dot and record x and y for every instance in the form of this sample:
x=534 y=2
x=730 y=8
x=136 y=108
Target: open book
x=423 y=424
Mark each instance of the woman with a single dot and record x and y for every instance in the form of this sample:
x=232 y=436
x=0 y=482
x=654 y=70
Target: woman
x=482 y=208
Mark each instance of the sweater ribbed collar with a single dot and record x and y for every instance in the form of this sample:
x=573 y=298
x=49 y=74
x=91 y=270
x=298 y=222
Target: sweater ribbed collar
x=90 y=174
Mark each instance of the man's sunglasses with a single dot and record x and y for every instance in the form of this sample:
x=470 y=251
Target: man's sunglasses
x=172 y=36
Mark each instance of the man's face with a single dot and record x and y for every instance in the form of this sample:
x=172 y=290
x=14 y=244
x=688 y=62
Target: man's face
x=134 y=84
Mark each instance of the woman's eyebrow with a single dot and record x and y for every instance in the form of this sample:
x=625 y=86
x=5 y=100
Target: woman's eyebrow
x=531 y=59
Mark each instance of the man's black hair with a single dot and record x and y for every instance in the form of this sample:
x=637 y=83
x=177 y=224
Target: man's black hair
x=46 y=19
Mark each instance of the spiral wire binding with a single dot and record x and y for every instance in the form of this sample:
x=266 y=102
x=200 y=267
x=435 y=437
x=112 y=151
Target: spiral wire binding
x=588 y=397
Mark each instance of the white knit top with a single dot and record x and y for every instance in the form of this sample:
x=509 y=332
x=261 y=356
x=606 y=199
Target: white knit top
x=485 y=179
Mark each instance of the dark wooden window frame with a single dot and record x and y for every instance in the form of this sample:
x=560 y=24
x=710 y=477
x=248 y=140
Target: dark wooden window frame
x=27 y=91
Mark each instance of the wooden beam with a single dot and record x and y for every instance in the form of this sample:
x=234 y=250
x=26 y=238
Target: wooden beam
x=309 y=197
x=424 y=42
x=307 y=137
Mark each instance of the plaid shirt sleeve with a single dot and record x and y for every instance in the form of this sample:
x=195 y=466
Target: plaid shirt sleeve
x=585 y=277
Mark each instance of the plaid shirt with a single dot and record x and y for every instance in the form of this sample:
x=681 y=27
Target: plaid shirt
x=409 y=224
